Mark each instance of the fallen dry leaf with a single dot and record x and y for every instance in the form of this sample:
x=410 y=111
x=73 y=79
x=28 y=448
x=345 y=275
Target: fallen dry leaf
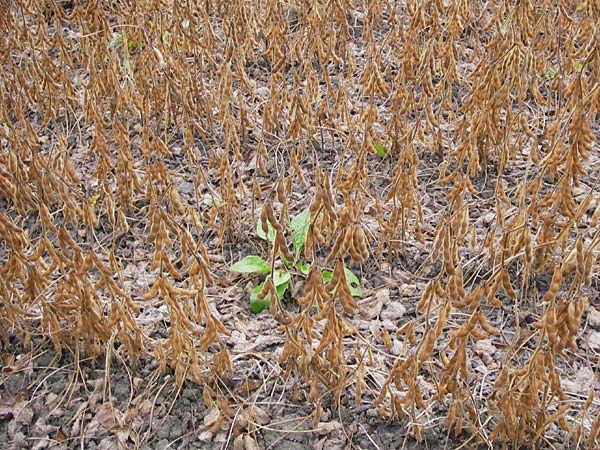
x=393 y=311
x=593 y=317
x=593 y=340
x=7 y=412
x=106 y=415
x=371 y=307
x=108 y=443
x=24 y=414
x=205 y=436
x=211 y=418
x=580 y=384
x=60 y=435
x=260 y=415
x=250 y=443
x=238 y=442
x=328 y=427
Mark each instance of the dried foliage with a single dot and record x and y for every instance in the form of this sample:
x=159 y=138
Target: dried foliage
x=146 y=134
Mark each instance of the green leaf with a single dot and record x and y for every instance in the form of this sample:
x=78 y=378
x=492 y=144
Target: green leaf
x=551 y=73
x=281 y=289
x=351 y=279
x=379 y=149
x=255 y=292
x=280 y=277
x=127 y=66
x=300 y=225
x=256 y=305
x=116 y=41
x=303 y=268
x=269 y=236
x=353 y=283
x=251 y=264
x=132 y=45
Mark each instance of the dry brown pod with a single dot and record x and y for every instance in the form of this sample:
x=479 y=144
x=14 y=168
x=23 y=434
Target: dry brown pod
x=554 y=285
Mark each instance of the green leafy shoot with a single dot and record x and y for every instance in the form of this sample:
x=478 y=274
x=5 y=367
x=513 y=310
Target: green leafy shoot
x=353 y=283
x=506 y=23
x=281 y=277
x=551 y=73
x=379 y=149
x=127 y=67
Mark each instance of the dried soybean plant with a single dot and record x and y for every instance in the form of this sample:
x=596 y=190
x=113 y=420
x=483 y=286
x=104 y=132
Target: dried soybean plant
x=547 y=225
x=86 y=118
x=51 y=274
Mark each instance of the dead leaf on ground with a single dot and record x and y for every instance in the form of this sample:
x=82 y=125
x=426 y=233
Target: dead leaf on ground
x=206 y=436
x=331 y=443
x=260 y=416
x=41 y=444
x=593 y=317
x=393 y=311
x=371 y=307
x=593 y=340
x=24 y=413
x=211 y=418
x=60 y=435
x=7 y=411
x=250 y=443
x=328 y=427
x=108 y=416
x=108 y=443
x=581 y=382
x=238 y=442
